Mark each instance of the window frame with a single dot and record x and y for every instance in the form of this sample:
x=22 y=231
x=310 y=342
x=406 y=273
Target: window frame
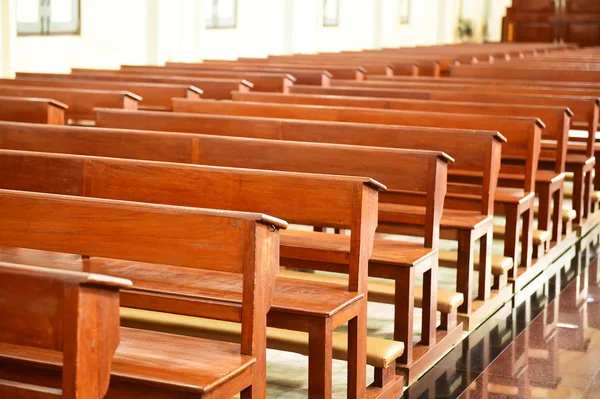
x=214 y=22
x=331 y=22
x=45 y=26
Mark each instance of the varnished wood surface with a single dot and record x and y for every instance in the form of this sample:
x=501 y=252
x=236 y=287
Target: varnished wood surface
x=154 y=95
x=33 y=110
x=216 y=88
x=80 y=102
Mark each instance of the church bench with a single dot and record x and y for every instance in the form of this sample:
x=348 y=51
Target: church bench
x=155 y=96
x=524 y=135
x=54 y=226
x=215 y=88
x=556 y=119
x=155 y=182
x=585 y=110
x=269 y=82
x=506 y=71
x=335 y=67
x=61 y=316
x=475 y=219
x=400 y=65
x=489 y=82
x=390 y=259
x=305 y=76
x=32 y=110
x=339 y=71
x=80 y=102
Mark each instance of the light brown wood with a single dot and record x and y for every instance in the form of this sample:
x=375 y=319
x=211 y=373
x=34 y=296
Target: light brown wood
x=58 y=310
x=34 y=110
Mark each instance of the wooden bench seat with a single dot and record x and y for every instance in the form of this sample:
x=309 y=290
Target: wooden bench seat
x=381 y=353
x=51 y=224
x=32 y=110
x=155 y=96
x=80 y=102
x=154 y=361
x=216 y=88
x=383 y=291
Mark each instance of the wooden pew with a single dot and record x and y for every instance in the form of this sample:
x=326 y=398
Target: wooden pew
x=155 y=96
x=215 y=88
x=269 y=82
x=549 y=186
x=340 y=133
x=489 y=82
x=535 y=73
x=338 y=71
x=80 y=102
x=524 y=143
x=208 y=150
x=372 y=65
x=60 y=314
x=305 y=76
x=33 y=110
x=585 y=109
x=47 y=228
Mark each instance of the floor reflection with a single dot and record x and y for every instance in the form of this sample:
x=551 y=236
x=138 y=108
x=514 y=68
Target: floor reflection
x=547 y=345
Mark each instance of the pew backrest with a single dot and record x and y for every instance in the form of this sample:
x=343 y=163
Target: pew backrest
x=81 y=102
x=465 y=143
x=556 y=119
x=341 y=201
x=154 y=95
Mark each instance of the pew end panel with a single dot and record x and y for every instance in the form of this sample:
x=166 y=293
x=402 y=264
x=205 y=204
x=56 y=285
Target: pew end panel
x=64 y=312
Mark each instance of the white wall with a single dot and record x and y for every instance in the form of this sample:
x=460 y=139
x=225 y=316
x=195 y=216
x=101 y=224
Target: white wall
x=118 y=32
x=112 y=32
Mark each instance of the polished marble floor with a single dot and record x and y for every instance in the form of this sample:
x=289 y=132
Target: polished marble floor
x=548 y=346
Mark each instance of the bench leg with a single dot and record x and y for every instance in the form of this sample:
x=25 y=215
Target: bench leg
x=587 y=194
x=578 y=184
x=464 y=270
x=404 y=309
x=448 y=321
x=544 y=210
x=429 y=306
x=526 y=239
x=511 y=235
x=485 y=266
x=384 y=376
x=320 y=357
x=357 y=355
x=557 y=214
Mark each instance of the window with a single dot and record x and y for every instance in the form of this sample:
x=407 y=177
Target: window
x=331 y=12
x=404 y=11
x=220 y=14
x=48 y=17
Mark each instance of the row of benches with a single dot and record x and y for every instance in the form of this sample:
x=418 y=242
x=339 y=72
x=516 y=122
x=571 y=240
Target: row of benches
x=303 y=129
